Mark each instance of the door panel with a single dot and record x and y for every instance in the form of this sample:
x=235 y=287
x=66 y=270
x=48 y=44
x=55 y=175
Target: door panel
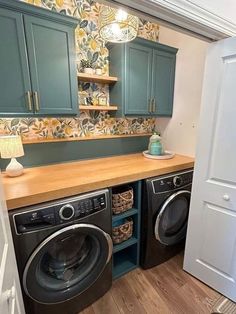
x=225 y=125
x=138 y=79
x=216 y=238
x=10 y=292
x=163 y=77
x=5 y=281
x=51 y=58
x=14 y=70
x=11 y=302
x=211 y=238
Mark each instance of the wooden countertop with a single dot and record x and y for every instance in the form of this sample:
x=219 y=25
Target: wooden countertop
x=41 y=184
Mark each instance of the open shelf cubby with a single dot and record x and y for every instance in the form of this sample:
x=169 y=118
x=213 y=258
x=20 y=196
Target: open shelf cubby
x=125 y=244
x=125 y=260
x=126 y=254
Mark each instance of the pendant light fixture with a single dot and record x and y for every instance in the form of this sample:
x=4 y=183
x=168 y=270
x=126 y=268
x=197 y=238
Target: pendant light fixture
x=117 y=26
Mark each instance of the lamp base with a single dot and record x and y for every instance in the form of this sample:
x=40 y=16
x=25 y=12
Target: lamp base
x=14 y=169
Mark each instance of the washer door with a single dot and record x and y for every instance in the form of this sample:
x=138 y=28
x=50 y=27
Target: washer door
x=171 y=222
x=67 y=263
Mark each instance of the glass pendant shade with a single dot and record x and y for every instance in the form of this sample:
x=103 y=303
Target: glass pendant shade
x=117 y=26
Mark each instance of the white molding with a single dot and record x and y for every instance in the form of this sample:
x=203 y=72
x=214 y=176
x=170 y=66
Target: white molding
x=186 y=14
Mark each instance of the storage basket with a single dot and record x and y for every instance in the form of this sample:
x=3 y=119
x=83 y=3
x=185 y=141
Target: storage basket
x=122 y=232
x=122 y=199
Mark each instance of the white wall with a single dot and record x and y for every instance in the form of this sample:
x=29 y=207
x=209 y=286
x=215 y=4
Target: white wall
x=179 y=132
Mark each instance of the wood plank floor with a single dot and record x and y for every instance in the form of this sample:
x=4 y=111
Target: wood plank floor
x=164 y=289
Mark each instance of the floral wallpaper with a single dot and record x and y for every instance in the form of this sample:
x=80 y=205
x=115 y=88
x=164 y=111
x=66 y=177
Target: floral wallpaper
x=90 y=46
x=95 y=124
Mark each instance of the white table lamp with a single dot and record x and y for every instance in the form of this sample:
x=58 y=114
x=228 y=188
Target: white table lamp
x=11 y=147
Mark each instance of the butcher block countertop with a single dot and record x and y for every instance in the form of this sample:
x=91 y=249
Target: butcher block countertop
x=41 y=184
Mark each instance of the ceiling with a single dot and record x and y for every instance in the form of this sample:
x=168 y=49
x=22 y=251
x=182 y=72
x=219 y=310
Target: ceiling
x=181 y=14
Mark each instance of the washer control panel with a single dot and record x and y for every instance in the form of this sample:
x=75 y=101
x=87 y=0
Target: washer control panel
x=60 y=212
x=172 y=182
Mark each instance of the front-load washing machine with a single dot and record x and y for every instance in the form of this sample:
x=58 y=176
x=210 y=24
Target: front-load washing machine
x=165 y=209
x=63 y=250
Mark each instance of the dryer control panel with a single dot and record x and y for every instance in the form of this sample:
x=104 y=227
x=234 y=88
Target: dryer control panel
x=172 y=182
x=55 y=213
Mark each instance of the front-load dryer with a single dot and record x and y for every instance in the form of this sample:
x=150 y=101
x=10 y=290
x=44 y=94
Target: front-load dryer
x=165 y=210
x=63 y=250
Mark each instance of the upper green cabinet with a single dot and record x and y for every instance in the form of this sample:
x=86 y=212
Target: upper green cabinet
x=138 y=70
x=14 y=69
x=163 y=78
x=37 y=61
x=146 y=74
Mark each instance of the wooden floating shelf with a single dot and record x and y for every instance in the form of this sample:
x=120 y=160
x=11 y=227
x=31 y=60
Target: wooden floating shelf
x=101 y=108
x=97 y=78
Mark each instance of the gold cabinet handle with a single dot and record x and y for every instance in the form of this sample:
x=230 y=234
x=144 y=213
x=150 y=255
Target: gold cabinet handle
x=154 y=105
x=36 y=101
x=150 y=105
x=29 y=101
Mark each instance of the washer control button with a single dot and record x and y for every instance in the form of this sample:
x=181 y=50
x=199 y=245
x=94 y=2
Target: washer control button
x=66 y=212
x=177 y=181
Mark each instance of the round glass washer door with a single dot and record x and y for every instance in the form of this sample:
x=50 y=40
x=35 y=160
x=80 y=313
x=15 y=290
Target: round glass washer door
x=171 y=222
x=67 y=263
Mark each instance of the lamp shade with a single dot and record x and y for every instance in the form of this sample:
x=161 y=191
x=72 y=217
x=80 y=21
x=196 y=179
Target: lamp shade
x=11 y=146
x=116 y=25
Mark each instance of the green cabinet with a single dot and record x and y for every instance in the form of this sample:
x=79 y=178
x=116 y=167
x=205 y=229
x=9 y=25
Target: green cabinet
x=14 y=69
x=163 y=77
x=146 y=74
x=37 y=61
x=138 y=71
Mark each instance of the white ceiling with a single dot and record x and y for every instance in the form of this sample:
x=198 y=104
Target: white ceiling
x=201 y=17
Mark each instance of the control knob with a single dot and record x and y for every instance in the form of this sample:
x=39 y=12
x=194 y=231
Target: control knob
x=66 y=212
x=177 y=181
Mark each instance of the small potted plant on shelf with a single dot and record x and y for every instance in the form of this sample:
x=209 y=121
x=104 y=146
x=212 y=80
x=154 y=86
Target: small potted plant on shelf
x=87 y=66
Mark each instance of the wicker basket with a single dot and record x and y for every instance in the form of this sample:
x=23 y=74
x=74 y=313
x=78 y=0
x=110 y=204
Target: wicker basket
x=122 y=199
x=122 y=232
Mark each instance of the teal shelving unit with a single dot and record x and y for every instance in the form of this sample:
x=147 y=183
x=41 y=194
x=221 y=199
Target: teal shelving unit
x=126 y=254
x=125 y=244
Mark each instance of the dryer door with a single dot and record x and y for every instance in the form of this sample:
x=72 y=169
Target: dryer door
x=171 y=222
x=67 y=263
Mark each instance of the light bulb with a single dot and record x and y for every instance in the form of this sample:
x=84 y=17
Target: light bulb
x=121 y=15
x=115 y=28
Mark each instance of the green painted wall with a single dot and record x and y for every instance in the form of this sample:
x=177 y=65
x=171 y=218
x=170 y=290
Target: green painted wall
x=49 y=153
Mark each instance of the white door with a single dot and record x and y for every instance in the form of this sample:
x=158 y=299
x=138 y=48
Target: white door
x=10 y=291
x=210 y=253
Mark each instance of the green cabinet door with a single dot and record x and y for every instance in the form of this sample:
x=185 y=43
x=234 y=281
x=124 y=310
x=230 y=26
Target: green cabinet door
x=51 y=54
x=14 y=70
x=163 y=78
x=146 y=74
x=138 y=75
